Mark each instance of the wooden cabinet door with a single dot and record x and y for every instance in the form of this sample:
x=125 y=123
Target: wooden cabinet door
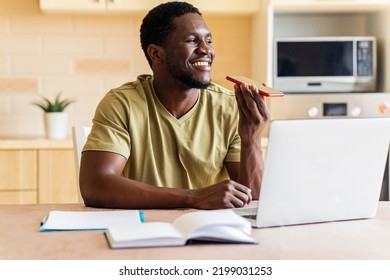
x=18 y=176
x=72 y=5
x=132 y=6
x=57 y=176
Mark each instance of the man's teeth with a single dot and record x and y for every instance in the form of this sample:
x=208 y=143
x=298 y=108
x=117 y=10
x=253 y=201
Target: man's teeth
x=201 y=63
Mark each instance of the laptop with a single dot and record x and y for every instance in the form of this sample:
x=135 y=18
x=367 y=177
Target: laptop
x=321 y=170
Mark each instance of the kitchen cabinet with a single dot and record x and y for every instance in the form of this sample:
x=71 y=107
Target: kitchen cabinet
x=302 y=18
x=18 y=177
x=142 y=6
x=37 y=171
x=57 y=182
x=96 y=5
x=334 y=6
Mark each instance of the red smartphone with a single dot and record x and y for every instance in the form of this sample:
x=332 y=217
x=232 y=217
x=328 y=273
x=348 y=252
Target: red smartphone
x=264 y=90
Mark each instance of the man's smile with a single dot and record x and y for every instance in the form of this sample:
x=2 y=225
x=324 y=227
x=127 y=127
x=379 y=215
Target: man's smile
x=204 y=65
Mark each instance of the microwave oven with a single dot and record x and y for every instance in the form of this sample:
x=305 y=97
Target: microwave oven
x=324 y=64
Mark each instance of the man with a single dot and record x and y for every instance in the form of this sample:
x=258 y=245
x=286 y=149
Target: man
x=174 y=139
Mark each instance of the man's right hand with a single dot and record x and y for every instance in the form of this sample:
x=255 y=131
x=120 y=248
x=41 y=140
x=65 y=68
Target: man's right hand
x=225 y=194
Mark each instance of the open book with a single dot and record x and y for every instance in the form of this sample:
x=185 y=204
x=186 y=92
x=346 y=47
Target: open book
x=209 y=226
x=89 y=220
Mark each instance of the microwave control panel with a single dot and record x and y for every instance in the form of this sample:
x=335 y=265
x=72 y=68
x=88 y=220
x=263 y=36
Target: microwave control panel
x=364 y=58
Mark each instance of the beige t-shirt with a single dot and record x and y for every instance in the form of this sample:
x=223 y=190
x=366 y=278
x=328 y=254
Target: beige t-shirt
x=161 y=150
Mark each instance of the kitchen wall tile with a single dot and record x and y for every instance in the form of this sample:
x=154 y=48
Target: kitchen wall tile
x=5 y=105
x=22 y=126
x=4 y=24
x=115 y=46
x=72 y=86
x=4 y=65
x=21 y=104
x=142 y=66
x=116 y=81
x=18 y=85
x=102 y=26
x=40 y=25
x=101 y=66
x=41 y=65
x=73 y=45
x=18 y=44
x=86 y=106
x=78 y=120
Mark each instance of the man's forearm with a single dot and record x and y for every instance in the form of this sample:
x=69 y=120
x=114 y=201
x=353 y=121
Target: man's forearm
x=113 y=191
x=251 y=167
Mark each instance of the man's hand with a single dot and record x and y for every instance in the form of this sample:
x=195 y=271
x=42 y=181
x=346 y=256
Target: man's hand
x=253 y=113
x=225 y=194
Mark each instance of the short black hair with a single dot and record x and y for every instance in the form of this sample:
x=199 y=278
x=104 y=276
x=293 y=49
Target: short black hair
x=158 y=23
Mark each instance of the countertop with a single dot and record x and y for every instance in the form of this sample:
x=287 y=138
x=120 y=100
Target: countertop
x=37 y=143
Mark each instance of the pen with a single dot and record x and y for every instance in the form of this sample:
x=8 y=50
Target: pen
x=43 y=221
x=142 y=216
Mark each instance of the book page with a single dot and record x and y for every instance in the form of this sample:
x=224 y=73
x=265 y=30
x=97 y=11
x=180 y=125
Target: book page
x=94 y=220
x=207 y=220
x=152 y=234
x=221 y=233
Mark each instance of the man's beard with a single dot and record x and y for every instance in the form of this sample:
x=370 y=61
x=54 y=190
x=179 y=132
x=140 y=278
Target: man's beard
x=186 y=78
x=191 y=82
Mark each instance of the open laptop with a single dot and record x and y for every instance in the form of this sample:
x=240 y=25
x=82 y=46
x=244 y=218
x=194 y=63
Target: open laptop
x=322 y=170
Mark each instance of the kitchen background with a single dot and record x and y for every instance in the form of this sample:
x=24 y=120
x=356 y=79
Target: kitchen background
x=85 y=55
x=85 y=52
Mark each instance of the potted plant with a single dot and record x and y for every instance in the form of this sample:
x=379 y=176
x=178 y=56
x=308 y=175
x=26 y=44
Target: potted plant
x=54 y=116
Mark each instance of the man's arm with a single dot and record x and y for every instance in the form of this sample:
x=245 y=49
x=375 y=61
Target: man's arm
x=102 y=185
x=253 y=117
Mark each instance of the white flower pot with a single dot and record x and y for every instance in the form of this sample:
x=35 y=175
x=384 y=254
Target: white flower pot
x=56 y=125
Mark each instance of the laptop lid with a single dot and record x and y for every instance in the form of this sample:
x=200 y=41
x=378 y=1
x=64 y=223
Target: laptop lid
x=323 y=170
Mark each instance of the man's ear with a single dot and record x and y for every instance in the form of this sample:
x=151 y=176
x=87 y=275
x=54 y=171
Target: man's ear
x=155 y=53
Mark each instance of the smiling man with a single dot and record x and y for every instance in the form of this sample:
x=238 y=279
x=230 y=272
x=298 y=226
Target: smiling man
x=174 y=139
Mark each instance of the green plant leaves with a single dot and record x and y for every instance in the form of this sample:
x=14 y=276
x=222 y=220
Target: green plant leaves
x=57 y=105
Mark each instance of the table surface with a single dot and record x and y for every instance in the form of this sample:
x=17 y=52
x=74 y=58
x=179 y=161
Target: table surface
x=20 y=239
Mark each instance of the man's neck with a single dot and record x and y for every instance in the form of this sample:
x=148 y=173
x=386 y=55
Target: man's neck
x=178 y=101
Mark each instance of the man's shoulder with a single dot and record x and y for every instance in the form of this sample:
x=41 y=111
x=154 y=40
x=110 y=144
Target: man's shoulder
x=142 y=82
x=218 y=89
x=219 y=95
x=133 y=89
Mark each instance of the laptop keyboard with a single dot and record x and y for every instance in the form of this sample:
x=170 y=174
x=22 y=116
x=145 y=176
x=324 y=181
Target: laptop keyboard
x=253 y=217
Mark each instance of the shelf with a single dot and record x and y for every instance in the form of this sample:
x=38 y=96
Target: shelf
x=322 y=6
